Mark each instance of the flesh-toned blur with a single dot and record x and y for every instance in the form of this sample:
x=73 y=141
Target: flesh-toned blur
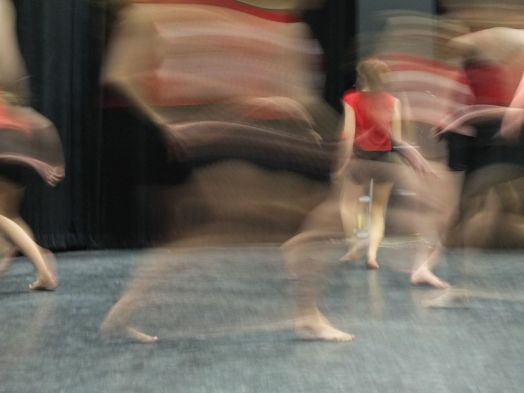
x=234 y=86
x=426 y=147
x=223 y=180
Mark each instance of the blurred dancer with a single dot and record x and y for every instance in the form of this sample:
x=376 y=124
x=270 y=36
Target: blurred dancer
x=306 y=262
x=493 y=156
x=427 y=78
x=372 y=149
x=232 y=84
x=372 y=123
x=29 y=144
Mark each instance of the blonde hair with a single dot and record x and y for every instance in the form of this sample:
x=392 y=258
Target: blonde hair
x=370 y=74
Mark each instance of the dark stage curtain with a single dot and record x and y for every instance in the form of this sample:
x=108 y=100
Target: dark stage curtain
x=53 y=36
x=111 y=153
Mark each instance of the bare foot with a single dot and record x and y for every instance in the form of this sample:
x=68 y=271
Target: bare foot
x=114 y=326
x=319 y=328
x=372 y=264
x=108 y=329
x=139 y=336
x=424 y=276
x=46 y=281
x=352 y=255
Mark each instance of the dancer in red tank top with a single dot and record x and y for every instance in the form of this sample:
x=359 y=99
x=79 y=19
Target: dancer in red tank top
x=372 y=127
x=372 y=115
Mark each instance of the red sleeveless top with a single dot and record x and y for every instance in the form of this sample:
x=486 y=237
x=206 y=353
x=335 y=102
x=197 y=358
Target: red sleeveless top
x=373 y=116
x=493 y=84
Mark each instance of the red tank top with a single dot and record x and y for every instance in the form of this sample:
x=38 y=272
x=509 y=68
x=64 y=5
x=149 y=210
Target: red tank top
x=493 y=84
x=373 y=116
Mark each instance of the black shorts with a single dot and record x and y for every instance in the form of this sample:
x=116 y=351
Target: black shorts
x=381 y=166
x=460 y=151
x=469 y=153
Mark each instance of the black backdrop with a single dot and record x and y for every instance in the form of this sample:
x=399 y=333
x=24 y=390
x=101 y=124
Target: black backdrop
x=110 y=152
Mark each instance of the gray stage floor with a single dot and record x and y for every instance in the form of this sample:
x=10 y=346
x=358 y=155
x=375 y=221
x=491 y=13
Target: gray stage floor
x=224 y=326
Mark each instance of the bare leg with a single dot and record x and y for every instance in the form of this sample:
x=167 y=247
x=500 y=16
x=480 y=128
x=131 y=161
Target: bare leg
x=10 y=198
x=149 y=275
x=46 y=278
x=444 y=191
x=116 y=321
x=21 y=237
x=427 y=259
x=12 y=251
x=423 y=274
x=348 y=207
x=381 y=192
x=307 y=267
x=310 y=323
